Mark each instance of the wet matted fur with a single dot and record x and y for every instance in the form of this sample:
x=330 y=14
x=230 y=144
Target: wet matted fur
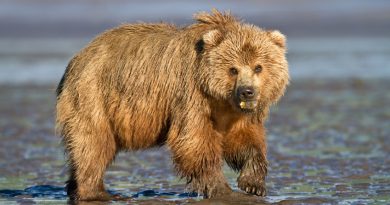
x=204 y=91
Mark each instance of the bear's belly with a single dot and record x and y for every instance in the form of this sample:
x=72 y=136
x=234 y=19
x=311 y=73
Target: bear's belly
x=141 y=126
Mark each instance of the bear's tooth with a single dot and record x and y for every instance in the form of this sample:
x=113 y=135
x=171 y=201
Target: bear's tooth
x=242 y=104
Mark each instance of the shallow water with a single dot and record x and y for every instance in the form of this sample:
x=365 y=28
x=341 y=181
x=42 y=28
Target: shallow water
x=328 y=143
x=43 y=60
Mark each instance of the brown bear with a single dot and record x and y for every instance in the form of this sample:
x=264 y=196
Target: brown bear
x=204 y=91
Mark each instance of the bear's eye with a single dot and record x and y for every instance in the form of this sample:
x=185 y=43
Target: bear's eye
x=233 y=71
x=258 y=69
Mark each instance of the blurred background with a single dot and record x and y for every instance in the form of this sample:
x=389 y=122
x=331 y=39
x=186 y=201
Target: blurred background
x=328 y=138
x=350 y=38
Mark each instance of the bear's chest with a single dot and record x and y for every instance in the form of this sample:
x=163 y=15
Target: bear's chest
x=224 y=119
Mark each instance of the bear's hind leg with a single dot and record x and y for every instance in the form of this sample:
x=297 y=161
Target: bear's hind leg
x=89 y=156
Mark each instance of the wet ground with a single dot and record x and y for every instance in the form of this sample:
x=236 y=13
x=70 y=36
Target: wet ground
x=329 y=142
x=329 y=138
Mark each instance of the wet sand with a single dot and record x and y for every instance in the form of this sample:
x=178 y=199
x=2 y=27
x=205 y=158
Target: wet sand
x=328 y=143
x=329 y=137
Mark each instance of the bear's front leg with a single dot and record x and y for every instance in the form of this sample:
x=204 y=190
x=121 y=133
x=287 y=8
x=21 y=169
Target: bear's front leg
x=197 y=155
x=252 y=176
x=245 y=151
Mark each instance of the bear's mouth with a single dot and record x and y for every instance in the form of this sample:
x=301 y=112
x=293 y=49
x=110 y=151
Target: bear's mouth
x=247 y=106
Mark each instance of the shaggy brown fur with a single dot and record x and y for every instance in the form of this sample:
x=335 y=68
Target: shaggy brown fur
x=203 y=90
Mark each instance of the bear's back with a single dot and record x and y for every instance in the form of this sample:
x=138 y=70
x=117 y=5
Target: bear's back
x=130 y=76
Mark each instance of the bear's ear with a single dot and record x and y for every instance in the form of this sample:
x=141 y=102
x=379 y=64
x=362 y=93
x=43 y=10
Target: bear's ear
x=212 y=38
x=278 y=38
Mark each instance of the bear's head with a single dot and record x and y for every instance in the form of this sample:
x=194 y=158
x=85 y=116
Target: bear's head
x=242 y=64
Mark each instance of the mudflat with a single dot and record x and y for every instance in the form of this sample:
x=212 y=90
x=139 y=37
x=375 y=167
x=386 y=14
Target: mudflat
x=328 y=142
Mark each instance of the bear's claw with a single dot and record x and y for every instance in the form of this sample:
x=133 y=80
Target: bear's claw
x=252 y=185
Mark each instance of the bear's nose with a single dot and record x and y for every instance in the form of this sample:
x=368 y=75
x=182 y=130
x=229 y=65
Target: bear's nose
x=246 y=93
